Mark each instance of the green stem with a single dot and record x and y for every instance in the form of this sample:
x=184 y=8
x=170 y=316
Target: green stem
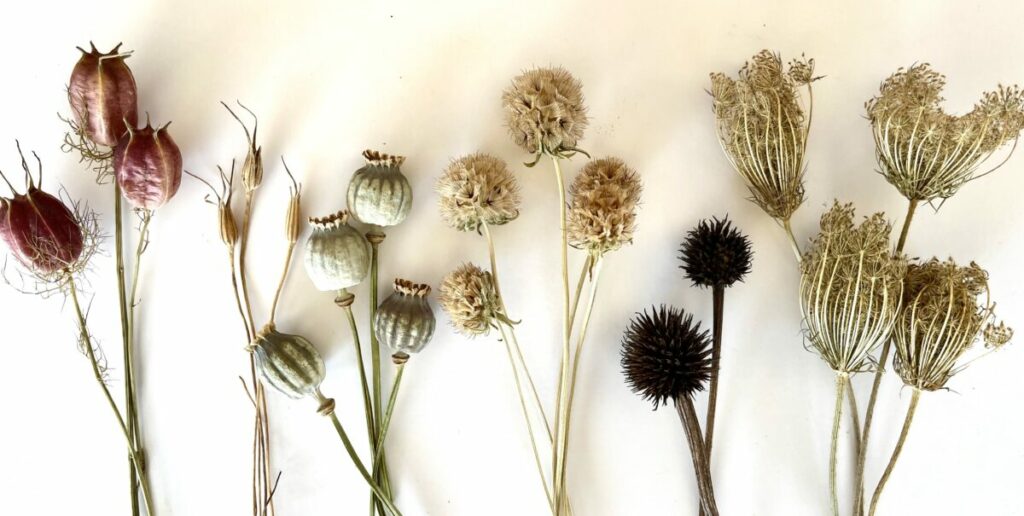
x=126 y=342
x=98 y=375
x=841 y=379
x=371 y=432
x=381 y=495
x=883 y=359
x=563 y=383
x=914 y=398
x=386 y=422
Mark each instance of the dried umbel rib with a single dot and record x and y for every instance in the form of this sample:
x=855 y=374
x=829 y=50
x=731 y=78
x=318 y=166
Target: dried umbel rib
x=851 y=288
x=378 y=193
x=469 y=298
x=478 y=189
x=544 y=111
x=289 y=363
x=103 y=95
x=337 y=254
x=147 y=166
x=763 y=128
x=947 y=310
x=928 y=154
x=405 y=321
x=602 y=213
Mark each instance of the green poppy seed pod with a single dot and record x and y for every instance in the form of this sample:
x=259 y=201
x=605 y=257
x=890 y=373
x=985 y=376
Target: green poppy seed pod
x=405 y=321
x=337 y=254
x=379 y=194
x=289 y=363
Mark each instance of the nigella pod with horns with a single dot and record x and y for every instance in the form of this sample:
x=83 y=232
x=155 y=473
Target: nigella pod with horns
x=103 y=95
x=337 y=255
x=405 y=321
x=147 y=166
x=379 y=193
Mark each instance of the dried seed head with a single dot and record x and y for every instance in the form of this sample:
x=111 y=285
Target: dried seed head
x=228 y=226
x=477 y=189
x=715 y=254
x=946 y=310
x=928 y=154
x=379 y=193
x=289 y=363
x=665 y=355
x=602 y=213
x=763 y=128
x=405 y=321
x=147 y=166
x=468 y=295
x=293 y=215
x=337 y=254
x=252 y=167
x=544 y=111
x=103 y=95
x=851 y=288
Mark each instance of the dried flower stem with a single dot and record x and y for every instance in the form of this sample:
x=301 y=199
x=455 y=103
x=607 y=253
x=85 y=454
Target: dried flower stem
x=243 y=247
x=280 y=283
x=563 y=377
x=718 y=304
x=883 y=359
x=792 y=239
x=688 y=416
x=386 y=422
x=914 y=398
x=841 y=382
x=377 y=489
x=87 y=344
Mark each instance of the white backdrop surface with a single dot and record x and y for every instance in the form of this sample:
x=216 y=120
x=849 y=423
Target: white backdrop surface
x=423 y=79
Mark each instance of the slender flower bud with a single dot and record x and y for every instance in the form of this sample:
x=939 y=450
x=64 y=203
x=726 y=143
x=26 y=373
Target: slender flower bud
x=252 y=168
x=602 y=213
x=289 y=363
x=147 y=164
x=103 y=95
x=228 y=226
x=378 y=193
x=469 y=298
x=337 y=255
x=405 y=321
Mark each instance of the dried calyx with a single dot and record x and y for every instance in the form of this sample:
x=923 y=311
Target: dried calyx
x=928 y=154
x=337 y=254
x=665 y=355
x=378 y=193
x=947 y=309
x=544 y=112
x=478 y=189
x=715 y=254
x=148 y=166
x=468 y=295
x=851 y=288
x=763 y=128
x=405 y=321
x=252 y=167
x=602 y=212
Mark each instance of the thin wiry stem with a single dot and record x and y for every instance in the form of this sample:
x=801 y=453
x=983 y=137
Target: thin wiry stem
x=133 y=412
x=718 y=309
x=688 y=417
x=345 y=441
x=126 y=343
x=914 y=398
x=841 y=379
x=368 y=411
x=563 y=387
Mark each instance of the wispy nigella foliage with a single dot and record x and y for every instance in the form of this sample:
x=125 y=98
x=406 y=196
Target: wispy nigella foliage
x=715 y=254
x=665 y=355
x=763 y=128
x=947 y=310
x=851 y=288
x=928 y=154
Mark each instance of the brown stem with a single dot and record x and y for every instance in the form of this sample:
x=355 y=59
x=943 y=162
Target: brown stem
x=914 y=398
x=688 y=416
x=718 y=296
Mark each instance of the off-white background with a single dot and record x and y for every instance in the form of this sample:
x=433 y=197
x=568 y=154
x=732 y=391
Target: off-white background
x=423 y=79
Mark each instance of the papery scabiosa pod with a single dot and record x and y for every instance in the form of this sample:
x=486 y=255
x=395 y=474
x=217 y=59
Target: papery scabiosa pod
x=147 y=164
x=289 y=363
x=544 y=111
x=405 y=321
x=602 y=213
x=470 y=299
x=337 y=255
x=478 y=189
x=378 y=193
x=42 y=233
x=103 y=95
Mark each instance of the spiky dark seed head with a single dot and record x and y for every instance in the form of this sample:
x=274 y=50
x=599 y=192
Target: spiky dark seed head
x=715 y=254
x=665 y=355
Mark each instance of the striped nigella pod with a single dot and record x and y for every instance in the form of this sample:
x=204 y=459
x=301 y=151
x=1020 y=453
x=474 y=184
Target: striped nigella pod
x=405 y=321
x=290 y=363
x=378 y=193
x=337 y=255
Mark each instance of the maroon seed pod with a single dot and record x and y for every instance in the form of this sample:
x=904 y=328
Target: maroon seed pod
x=147 y=164
x=103 y=95
x=42 y=233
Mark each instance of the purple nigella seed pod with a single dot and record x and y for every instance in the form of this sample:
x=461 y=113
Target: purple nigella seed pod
x=103 y=95
x=147 y=164
x=42 y=233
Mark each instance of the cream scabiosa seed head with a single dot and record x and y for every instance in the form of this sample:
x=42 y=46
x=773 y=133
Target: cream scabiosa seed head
x=469 y=298
x=602 y=212
x=544 y=111
x=478 y=189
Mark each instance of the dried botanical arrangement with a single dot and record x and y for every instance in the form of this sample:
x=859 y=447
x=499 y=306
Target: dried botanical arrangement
x=144 y=165
x=546 y=116
x=858 y=292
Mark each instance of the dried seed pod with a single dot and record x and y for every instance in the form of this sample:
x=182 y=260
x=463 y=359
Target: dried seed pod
x=43 y=234
x=470 y=299
x=544 y=111
x=478 y=189
x=289 y=363
x=665 y=355
x=602 y=213
x=715 y=254
x=405 y=321
x=337 y=255
x=147 y=164
x=103 y=95
x=378 y=193
x=228 y=226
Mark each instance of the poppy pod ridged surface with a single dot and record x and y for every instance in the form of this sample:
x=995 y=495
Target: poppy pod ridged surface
x=148 y=165
x=288 y=362
x=378 y=193
x=405 y=321
x=337 y=254
x=103 y=95
x=43 y=234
